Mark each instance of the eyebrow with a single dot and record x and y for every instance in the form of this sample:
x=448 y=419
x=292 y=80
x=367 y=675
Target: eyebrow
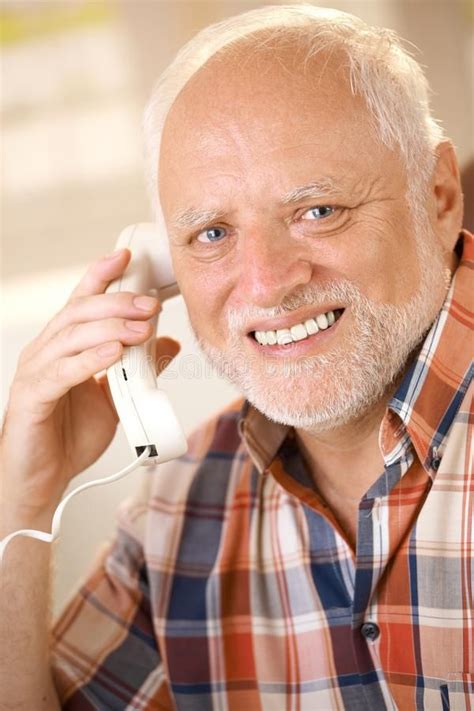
x=316 y=189
x=193 y=217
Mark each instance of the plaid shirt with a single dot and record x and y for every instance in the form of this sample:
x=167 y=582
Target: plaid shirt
x=230 y=586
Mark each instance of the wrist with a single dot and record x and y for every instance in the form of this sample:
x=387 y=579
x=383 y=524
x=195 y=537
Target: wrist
x=16 y=515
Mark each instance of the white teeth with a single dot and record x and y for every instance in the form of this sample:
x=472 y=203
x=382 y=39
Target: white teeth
x=298 y=332
x=284 y=336
x=322 y=321
x=311 y=326
x=262 y=338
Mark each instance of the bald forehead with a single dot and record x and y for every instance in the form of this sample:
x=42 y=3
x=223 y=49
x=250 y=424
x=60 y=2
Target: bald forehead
x=257 y=68
x=259 y=86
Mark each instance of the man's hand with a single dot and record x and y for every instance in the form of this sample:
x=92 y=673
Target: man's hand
x=60 y=418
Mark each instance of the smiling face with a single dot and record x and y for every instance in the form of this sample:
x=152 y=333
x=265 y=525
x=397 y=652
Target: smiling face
x=282 y=206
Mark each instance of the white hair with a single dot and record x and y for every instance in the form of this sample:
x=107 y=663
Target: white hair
x=380 y=70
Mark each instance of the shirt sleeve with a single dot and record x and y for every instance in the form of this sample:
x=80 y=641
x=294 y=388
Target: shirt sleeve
x=104 y=652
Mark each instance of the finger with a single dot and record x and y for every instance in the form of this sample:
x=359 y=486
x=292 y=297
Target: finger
x=100 y=306
x=54 y=382
x=95 y=281
x=93 y=308
x=101 y=273
x=83 y=336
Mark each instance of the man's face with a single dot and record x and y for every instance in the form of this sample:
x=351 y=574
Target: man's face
x=282 y=206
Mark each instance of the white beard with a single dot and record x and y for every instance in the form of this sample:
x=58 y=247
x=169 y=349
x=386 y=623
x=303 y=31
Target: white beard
x=320 y=392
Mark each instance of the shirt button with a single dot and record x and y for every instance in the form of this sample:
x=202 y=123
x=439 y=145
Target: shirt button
x=370 y=631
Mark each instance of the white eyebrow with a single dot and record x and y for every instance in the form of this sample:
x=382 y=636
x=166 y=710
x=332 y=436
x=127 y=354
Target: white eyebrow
x=192 y=217
x=318 y=189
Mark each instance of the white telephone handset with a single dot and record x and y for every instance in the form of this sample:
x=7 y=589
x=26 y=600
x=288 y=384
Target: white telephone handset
x=145 y=411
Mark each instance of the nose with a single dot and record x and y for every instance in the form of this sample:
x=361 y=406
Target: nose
x=272 y=264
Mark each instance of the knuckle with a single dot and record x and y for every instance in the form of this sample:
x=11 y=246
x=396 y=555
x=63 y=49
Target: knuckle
x=125 y=301
x=70 y=307
x=49 y=328
x=58 y=370
x=56 y=323
x=69 y=332
x=119 y=303
x=27 y=357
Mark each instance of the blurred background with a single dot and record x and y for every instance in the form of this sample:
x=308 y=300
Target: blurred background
x=75 y=76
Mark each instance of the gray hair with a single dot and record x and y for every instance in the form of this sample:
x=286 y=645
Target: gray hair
x=380 y=70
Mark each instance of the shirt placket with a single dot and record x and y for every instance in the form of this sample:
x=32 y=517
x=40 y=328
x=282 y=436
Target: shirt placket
x=377 y=543
x=365 y=630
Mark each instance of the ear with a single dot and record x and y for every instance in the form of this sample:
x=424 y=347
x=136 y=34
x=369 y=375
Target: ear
x=447 y=195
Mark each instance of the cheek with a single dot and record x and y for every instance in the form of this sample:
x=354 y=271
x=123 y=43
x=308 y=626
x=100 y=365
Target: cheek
x=401 y=271
x=382 y=261
x=204 y=297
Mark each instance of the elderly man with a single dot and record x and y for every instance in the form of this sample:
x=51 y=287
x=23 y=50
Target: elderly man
x=313 y=549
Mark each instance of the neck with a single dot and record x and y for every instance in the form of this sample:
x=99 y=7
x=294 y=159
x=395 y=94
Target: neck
x=346 y=459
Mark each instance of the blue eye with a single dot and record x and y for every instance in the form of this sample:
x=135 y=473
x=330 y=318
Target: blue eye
x=214 y=234
x=318 y=212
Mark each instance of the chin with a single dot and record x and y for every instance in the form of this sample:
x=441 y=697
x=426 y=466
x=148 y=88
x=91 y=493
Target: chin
x=319 y=399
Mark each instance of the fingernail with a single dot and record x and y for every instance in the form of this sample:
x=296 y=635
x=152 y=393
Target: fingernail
x=145 y=303
x=113 y=255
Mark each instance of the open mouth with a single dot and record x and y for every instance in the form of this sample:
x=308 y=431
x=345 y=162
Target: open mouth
x=300 y=331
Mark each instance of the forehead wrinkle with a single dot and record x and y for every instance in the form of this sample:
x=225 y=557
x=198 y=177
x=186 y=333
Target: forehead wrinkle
x=194 y=217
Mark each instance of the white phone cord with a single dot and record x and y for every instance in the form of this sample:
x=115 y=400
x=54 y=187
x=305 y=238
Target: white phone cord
x=50 y=537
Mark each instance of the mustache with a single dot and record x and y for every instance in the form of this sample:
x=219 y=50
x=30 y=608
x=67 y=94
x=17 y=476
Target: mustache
x=343 y=291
